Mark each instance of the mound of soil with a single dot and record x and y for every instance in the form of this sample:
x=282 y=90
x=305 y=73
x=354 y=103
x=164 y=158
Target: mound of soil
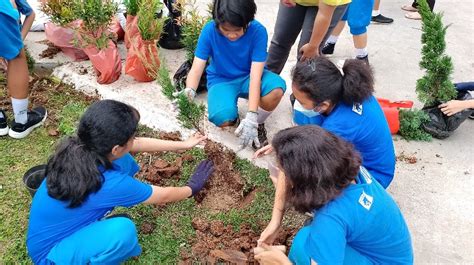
x=216 y=242
x=50 y=52
x=224 y=189
x=154 y=169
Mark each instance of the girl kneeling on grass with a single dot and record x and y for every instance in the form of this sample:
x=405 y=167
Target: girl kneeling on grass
x=355 y=220
x=89 y=175
x=343 y=104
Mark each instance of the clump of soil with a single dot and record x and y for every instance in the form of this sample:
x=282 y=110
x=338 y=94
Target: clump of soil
x=217 y=242
x=50 y=52
x=170 y=136
x=147 y=228
x=410 y=159
x=224 y=189
x=155 y=169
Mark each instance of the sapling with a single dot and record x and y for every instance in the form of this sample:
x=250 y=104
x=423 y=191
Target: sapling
x=61 y=12
x=132 y=6
x=149 y=25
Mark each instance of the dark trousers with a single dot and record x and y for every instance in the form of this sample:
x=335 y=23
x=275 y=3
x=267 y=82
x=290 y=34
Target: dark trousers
x=431 y=3
x=290 y=22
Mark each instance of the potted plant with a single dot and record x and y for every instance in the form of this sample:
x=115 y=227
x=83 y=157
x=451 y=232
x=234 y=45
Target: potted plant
x=94 y=36
x=131 y=28
x=436 y=86
x=192 y=23
x=142 y=61
x=60 y=30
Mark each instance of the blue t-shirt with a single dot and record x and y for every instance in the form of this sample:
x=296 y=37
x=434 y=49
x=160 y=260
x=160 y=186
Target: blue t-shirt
x=231 y=59
x=365 y=126
x=23 y=7
x=7 y=8
x=367 y=219
x=51 y=220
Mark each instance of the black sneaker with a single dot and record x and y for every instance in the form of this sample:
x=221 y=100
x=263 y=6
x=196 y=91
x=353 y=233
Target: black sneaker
x=3 y=124
x=328 y=48
x=292 y=100
x=382 y=19
x=36 y=118
x=262 y=137
x=365 y=59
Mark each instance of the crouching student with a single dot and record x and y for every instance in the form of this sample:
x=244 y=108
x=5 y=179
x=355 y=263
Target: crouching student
x=355 y=220
x=90 y=174
x=236 y=45
x=344 y=105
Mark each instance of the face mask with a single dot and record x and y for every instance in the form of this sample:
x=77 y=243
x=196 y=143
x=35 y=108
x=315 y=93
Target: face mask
x=307 y=112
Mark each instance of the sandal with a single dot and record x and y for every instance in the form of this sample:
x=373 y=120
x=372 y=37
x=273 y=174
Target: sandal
x=409 y=8
x=413 y=15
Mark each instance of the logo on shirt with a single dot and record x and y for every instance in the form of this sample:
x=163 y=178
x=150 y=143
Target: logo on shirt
x=366 y=200
x=357 y=108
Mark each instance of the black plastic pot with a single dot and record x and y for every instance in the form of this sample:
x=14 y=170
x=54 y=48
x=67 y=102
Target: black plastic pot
x=441 y=126
x=33 y=178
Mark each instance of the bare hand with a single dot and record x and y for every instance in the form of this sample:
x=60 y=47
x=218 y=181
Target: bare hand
x=266 y=150
x=272 y=256
x=269 y=234
x=288 y=3
x=196 y=139
x=309 y=51
x=454 y=106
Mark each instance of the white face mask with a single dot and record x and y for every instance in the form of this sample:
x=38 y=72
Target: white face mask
x=307 y=112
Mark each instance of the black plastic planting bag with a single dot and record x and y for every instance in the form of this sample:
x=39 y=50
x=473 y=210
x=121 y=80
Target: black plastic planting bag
x=181 y=75
x=441 y=126
x=171 y=37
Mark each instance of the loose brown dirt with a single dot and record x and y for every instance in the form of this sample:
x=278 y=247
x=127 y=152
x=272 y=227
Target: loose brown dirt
x=50 y=52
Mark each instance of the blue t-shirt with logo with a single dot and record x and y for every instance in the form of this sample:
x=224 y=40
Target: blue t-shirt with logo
x=367 y=219
x=51 y=220
x=365 y=126
x=230 y=60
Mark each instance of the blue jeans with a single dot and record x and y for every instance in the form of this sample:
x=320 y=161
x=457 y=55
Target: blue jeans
x=299 y=256
x=464 y=86
x=110 y=241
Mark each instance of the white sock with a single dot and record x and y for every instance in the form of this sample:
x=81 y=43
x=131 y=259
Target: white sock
x=1 y=115
x=375 y=13
x=20 y=110
x=361 y=52
x=262 y=115
x=332 y=39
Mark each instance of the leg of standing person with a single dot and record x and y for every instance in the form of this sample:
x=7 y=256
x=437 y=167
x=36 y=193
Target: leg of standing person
x=287 y=28
x=359 y=19
x=377 y=16
x=308 y=25
x=11 y=48
x=413 y=11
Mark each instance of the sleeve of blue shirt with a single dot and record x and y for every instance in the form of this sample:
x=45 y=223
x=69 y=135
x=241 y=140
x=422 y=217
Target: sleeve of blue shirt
x=24 y=7
x=204 y=47
x=259 y=52
x=327 y=241
x=126 y=193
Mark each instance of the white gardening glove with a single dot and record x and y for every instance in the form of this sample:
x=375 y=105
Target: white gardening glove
x=248 y=130
x=189 y=92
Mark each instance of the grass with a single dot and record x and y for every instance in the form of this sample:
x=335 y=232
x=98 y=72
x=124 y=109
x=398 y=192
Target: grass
x=173 y=233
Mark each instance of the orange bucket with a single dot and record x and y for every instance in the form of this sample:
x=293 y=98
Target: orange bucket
x=391 y=110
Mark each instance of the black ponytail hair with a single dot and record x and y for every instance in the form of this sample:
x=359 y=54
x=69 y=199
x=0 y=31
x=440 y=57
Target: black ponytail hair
x=238 y=13
x=321 y=80
x=73 y=170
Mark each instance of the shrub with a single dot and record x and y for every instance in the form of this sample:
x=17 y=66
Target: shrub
x=411 y=125
x=132 y=6
x=61 y=12
x=96 y=16
x=192 y=24
x=435 y=86
x=149 y=25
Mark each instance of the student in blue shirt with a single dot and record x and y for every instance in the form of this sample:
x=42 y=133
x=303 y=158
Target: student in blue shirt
x=11 y=48
x=343 y=104
x=236 y=45
x=355 y=220
x=88 y=175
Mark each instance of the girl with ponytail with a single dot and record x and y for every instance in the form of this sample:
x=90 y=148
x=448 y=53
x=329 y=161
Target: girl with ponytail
x=89 y=175
x=343 y=104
